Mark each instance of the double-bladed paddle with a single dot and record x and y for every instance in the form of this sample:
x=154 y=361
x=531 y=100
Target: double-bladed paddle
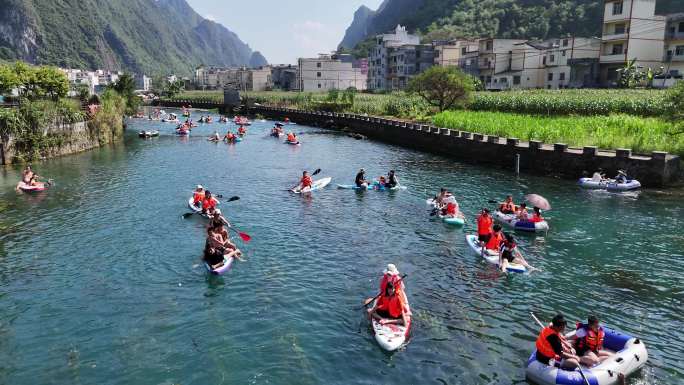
x=233 y=199
x=369 y=300
x=318 y=171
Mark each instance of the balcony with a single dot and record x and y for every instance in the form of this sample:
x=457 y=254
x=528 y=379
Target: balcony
x=674 y=58
x=615 y=37
x=618 y=58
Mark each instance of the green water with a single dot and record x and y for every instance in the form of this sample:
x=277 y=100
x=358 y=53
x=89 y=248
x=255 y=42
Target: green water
x=100 y=280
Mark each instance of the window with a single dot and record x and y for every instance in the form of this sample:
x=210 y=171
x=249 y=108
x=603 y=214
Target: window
x=551 y=77
x=489 y=79
x=562 y=76
x=318 y=74
x=490 y=45
x=464 y=51
x=318 y=65
x=565 y=42
x=516 y=80
x=679 y=51
x=681 y=27
x=617 y=8
x=482 y=79
x=563 y=53
x=319 y=85
x=617 y=49
x=553 y=58
x=619 y=29
x=504 y=80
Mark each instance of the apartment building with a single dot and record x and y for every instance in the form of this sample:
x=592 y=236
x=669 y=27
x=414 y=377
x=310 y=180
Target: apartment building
x=329 y=72
x=405 y=62
x=242 y=78
x=673 y=64
x=142 y=82
x=460 y=53
x=284 y=77
x=378 y=60
x=494 y=60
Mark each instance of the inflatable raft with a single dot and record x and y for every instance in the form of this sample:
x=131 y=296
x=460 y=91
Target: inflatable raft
x=28 y=188
x=629 y=185
x=148 y=134
x=491 y=256
x=511 y=221
x=227 y=264
x=373 y=186
x=630 y=356
x=590 y=184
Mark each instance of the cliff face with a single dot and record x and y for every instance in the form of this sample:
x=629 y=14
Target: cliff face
x=151 y=36
x=358 y=30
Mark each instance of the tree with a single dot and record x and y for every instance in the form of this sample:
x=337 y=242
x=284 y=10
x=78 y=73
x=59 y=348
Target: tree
x=51 y=82
x=174 y=88
x=8 y=79
x=442 y=87
x=125 y=87
x=675 y=99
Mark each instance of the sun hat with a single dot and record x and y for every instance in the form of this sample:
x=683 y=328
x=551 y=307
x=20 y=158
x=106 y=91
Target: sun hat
x=199 y=187
x=391 y=269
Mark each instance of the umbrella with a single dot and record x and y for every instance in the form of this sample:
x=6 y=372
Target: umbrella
x=538 y=201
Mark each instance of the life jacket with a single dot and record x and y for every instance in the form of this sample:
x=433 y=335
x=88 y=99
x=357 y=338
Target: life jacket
x=536 y=218
x=507 y=207
x=208 y=203
x=197 y=197
x=291 y=138
x=452 y=208
x=306 y=181
x=592 y=341
x=543 y=346
x=395 y=279
x=484 y=225
x=393 y=305
x=495 y=241
x=241 y=130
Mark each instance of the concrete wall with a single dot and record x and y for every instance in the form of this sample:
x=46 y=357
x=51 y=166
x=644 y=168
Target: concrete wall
x=74 y=138
x=653 y=170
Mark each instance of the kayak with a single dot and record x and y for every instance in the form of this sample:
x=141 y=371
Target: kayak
x=454 y=221
x=375 y=187
x=492 y=256
x=630 y=356
x=511 y=221
x=196 y=209
x=227 y=264
x=390 y=336
x=27 y=188
x=317 y=185
x=293 y=143
x=627 y=186
x=236 y=140
x=148 y=134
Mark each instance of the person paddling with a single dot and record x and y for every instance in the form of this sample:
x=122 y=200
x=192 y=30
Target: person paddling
x=198 y=196
x=551 y=344
x=360 y=179
x=452 y=209
x=242 y=130
x=291 y=137
x=229 y=137
x=392 y=180
x=508 y=207
x=390 y=308
x=306 y=183
x=215 y=137
x=509 y=253
x=484 y=227
x=589 y=342
x=208 y=203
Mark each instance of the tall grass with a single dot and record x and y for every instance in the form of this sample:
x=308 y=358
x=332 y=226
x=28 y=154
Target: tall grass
x=640 y=134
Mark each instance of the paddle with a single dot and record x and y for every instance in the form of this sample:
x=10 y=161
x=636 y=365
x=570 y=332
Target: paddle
x=188 y=215
x=579 y=367
x=245 y=237
x=369 y=300
x=318 y=171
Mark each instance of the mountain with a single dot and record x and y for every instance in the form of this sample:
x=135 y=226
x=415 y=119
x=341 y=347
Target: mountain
x=150 y=36
x=257 y=60
x=448 y=19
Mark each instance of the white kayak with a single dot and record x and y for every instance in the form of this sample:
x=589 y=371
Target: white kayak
x=630 y=356
x=492 y=256
x=511 y=221
x=391 y=336
x=317 y=185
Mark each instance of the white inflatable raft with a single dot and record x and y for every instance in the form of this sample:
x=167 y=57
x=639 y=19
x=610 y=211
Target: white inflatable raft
x=630 y=356
x=491 y=256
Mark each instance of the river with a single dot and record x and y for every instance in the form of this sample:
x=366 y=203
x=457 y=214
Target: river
x=101 y=281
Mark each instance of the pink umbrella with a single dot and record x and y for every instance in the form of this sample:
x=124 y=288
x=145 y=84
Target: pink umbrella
x=538 y=201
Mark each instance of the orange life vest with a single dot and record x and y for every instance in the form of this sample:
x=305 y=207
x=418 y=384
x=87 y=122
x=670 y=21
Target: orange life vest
x=592 y=341
x=197 y=197
x=536 y=218
x=306 y=181
x=291 y=138
x=208 y=203
x=543 y=346
x=495 y=241
x=392 y=305
x=507 y=207
x=484 y=225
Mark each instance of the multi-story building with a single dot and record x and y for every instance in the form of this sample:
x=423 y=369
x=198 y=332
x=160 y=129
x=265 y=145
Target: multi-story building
x=142 y=82
x=631 y=31
x=284 y=77
x=673 y=64
x=378 y=60
x=462 y=53
x=405 y=62
x=329 y=72
x=243 y=79
x=494 y=58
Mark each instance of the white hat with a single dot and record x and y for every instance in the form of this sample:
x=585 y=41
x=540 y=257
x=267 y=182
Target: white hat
x=391 y=270
x=199 y=187
x=217 y=211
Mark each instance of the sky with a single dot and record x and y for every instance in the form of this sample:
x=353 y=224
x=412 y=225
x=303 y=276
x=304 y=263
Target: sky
x=285 y=30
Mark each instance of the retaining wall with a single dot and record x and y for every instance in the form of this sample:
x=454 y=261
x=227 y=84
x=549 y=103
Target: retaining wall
x=653 y=170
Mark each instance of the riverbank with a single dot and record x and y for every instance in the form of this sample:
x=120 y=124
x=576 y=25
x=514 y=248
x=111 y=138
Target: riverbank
x=657 y=169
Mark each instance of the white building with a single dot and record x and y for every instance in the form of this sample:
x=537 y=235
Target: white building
x=328 y=72
x=378 y=60
x=243 y=79
x=142 y=82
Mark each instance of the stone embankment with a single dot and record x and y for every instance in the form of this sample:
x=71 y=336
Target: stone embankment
x=653 y=170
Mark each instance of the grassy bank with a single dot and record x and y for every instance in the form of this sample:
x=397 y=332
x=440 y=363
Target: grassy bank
x=642 y=135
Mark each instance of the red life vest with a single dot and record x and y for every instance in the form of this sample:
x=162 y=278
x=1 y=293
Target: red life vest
x=536 y=218
x=392 y=305
x=209 y=203
x=592 y=341
x=484 y=225
x=543 y=346
x=197 y=197
x=291 y=138
x=306 y=181
x=495 y=241
x=451 y=208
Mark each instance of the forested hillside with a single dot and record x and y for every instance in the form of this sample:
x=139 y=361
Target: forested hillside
x=152 y=36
